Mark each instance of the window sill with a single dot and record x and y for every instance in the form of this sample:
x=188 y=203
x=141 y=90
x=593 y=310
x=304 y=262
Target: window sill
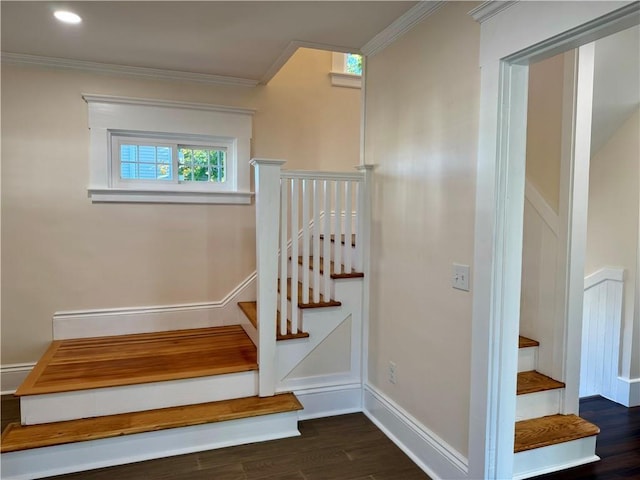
x=130 y=195
x=348 y=80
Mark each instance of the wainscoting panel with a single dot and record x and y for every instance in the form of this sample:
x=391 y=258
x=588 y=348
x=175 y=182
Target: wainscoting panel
x=602 y=316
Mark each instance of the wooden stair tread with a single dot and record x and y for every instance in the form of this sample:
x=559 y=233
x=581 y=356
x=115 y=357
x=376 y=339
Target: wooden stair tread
x=16 y=437
x=250 y=309
x=85 y=363
x=342 y=239
x=524 y=342
x=311 y=303
x=334 y=275
x=532 y=382
x=551 y=430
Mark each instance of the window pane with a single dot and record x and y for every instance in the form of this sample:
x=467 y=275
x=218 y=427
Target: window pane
x=128 y=170
x=201 y=164
x=145 y=162
x=164 y=154
x=354 y=63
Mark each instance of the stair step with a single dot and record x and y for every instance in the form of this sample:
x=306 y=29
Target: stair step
x=524 y=342
x=551 y=430
x=335 y=276
x=310 y=304
x=250 y=309
x=88 y=363
x=532 y=382
x=342 y=239
x=16 y=437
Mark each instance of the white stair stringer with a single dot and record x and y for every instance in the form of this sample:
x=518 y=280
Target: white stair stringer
x=319 y=323
x=553 y=458
x=527 y=359
x=96 y=402
x=81 y=456
x=538 y=404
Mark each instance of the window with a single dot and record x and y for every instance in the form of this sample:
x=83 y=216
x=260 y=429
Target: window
x=346 y=70
x=205 y=158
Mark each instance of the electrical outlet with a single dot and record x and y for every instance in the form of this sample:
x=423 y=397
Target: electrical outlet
x=392 y=372
x=460 y=277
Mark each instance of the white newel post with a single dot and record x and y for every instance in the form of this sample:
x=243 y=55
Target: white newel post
x=267 y=189
x=363 y=221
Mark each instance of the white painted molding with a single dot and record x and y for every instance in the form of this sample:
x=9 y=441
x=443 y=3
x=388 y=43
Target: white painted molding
x=12 y=375
x=628 y=392
x=615 y=274
x=348 y=80
x=486 y=10
x=431 y=453
x=154 y=102
x=291 y=48
x=123 y=321
x=400 y=26
x=329 y=401
x=124 y=70
x=133 y=195
x=546 y=212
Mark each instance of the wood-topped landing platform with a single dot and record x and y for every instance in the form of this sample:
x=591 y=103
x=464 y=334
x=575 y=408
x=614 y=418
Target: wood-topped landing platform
x=86 y=363
x=17 y=437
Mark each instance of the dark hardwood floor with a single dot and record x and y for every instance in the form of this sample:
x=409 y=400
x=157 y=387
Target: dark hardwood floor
x=335 y=448
x=351 y=447
x=618 y=444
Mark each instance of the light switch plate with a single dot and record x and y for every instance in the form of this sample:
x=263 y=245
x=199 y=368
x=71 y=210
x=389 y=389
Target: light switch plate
x=460 y=277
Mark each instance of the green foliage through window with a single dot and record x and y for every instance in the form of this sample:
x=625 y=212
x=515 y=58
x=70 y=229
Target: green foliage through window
x=354 y=63
x=201 y=165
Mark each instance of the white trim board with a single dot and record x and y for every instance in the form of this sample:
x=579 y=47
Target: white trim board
x=540 y=205
x=124 y=321
x=400 y=26
x=615 y=274
x=628 y=392
x=12 y=375
x=82 y=456
x=124 y=70
x=427 y=450
x=329 y=401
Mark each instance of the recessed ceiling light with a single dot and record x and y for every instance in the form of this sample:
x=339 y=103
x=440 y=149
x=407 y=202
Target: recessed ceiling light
x=67 y=17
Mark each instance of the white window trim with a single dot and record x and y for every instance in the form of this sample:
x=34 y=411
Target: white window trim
x=339 y=76
x=168 y=122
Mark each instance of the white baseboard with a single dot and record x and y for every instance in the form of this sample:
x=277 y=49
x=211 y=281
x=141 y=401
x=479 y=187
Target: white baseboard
x=124 y=321
x=329 y=401
x=12 y=375
x=628 y=392
x=432 y=454
x=82 y=456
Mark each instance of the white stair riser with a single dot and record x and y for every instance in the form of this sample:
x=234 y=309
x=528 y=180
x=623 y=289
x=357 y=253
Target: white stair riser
x=539 y=404
x=322 y=289
x=343 y=249
x=55 y=407
x=82 y=456
x=527 y=359
x=554 y=458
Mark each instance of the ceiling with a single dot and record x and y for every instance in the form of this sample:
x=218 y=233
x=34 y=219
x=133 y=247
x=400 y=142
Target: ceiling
x=239 y=39
x=616 y=83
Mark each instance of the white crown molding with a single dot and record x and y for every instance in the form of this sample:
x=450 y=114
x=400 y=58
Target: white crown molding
x=291 y=48
x=153 y=102
x=486 y=10
x=400 y=26
x=124 y=70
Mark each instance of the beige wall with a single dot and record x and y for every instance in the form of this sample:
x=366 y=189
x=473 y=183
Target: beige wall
x=612 y=224
x=60 y=252
x=422 y=98
x=544 y=127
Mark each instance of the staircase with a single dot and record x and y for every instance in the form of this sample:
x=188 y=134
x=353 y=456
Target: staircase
x=545 y=440
x=102 y=401
x=96 y=402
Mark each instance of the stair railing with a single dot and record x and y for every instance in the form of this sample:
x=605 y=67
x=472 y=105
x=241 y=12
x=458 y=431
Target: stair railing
x=298 y=213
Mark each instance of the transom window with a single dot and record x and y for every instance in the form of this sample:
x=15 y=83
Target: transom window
x=143 y=161
x=353 y=63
